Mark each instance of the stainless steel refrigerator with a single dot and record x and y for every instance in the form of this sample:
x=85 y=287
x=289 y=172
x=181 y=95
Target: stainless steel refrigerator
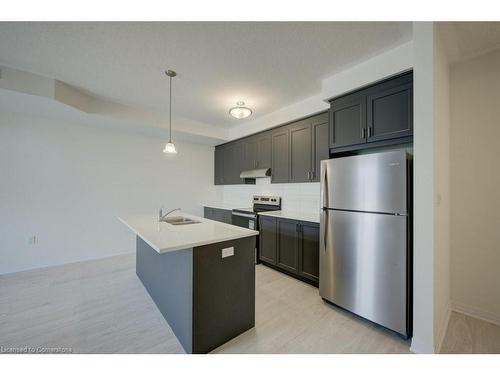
x=365 y=243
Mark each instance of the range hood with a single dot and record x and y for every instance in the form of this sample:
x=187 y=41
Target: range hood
x=256 y=173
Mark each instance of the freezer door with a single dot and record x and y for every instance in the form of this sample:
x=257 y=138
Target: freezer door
x=373 y=182
x=363 y=265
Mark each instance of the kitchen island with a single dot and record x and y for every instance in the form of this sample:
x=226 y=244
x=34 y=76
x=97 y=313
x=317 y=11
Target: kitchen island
x=200 y=275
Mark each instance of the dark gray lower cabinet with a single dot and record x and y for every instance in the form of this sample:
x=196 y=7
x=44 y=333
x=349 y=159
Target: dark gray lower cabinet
x=218 y=214
x=291 y=246
x=309 y=251
x=288 y=245
x=268 y=239
x=206 y=299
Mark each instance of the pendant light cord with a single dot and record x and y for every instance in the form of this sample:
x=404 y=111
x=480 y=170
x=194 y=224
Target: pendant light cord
x=170 y=116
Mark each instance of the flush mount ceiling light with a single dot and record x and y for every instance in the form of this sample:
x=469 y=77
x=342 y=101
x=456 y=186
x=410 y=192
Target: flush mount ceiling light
x=170 y=147
x=240 y=111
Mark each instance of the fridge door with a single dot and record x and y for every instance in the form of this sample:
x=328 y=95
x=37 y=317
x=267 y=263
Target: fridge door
x=372 y=182
x=363 y=265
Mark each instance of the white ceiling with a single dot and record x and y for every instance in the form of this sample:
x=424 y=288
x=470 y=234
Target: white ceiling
x=267 y=65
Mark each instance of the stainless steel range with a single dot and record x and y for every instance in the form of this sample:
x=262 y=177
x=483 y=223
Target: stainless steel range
x=248 y=217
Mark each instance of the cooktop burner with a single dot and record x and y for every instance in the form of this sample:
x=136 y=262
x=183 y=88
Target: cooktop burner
x=262 y=203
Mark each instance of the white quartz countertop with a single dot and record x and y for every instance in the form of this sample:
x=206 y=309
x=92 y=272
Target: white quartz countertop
x=310 y=216
x=164 y=237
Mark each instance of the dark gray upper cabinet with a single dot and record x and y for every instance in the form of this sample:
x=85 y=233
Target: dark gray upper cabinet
x=292 y=151
x=264 y=150
x=280 y=155
x=378 y=115
x=233 y=162
x=300 y=151
x=320 y=149
x=267 y=239
x=251 y=149
x=219 y=165
x=288 y=246
x=348 y=121
x=257 y=153
x=309 y=251
x=390 y=112
x=308 y=146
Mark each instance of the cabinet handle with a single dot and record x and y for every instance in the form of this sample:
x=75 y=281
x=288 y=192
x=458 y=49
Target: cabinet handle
x=363 y=133
x=370 y=131
x=312 y=175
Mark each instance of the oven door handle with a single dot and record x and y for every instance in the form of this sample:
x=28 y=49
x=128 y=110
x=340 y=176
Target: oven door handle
x=250 y=216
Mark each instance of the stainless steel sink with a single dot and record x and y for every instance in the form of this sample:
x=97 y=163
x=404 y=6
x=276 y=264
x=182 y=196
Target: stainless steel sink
x=179 y=220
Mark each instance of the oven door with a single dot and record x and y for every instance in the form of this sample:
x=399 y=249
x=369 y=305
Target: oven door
x=244 y=220
x=249 y=221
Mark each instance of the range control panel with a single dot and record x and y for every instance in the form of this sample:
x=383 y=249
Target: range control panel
x=261 y=199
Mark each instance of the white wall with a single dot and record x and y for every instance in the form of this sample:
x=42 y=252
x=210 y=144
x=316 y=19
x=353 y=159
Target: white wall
x=442 y=278
x=379 y=67
x=475 y=176
x=295 y=197
x=67 y=183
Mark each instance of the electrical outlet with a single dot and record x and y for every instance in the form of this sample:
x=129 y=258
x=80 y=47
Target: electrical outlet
x=32 y=240
x=228 y=252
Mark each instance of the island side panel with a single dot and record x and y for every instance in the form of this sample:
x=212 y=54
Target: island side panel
x=223 y=293
x=168 y=278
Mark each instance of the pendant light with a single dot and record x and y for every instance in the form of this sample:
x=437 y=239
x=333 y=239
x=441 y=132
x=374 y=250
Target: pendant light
x=240 y=111
x=170 y=147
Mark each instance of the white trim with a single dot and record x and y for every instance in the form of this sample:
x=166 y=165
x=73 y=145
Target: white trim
x=443 y=329
x=475 y=312
x=418 y=347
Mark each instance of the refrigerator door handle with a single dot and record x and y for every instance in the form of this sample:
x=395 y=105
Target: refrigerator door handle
x=324 y=184
x=324 y=226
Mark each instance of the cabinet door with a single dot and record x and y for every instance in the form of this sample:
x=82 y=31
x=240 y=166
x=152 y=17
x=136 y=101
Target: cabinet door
x=288 y=252
x=280 y=155
x=390 y=112
x=208 y=213
x=264 y=150
x=224 y=216
x=309 y=251
x=219 y=165
x=300 y=151
x=320 y=149
x=233 y=163
x=348 y=121
x=250 y=153
x=267 y=239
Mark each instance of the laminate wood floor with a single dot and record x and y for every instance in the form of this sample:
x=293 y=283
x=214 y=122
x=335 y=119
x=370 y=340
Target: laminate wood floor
x=101 y=306
x=466 y=334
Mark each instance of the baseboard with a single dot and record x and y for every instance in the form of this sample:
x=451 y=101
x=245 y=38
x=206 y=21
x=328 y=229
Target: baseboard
x=418 y=347
x=476 y=313
x=443 y=329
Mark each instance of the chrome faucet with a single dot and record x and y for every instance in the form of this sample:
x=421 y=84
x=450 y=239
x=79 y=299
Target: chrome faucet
x=161 y=216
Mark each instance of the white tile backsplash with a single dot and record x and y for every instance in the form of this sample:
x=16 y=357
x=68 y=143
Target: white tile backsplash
x=295 y=197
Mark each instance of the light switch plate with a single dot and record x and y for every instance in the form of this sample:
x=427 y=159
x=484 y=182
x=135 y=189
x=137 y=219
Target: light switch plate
x=228 y=252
